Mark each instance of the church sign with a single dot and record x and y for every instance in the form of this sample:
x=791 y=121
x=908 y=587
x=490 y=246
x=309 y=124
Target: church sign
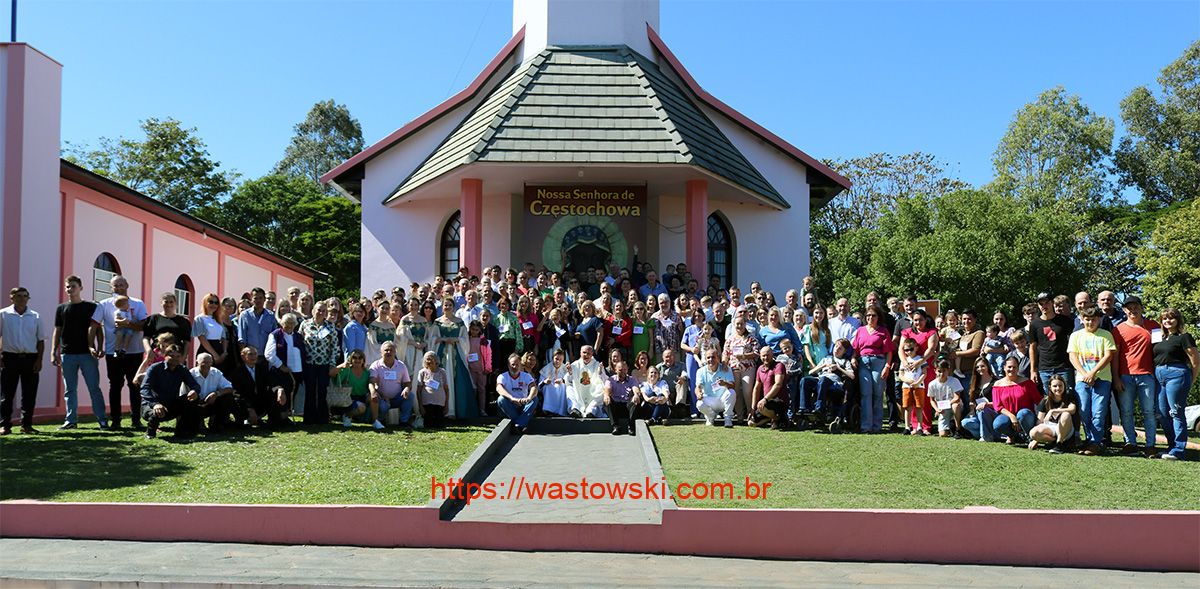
x=603 y=201
x=584 y=225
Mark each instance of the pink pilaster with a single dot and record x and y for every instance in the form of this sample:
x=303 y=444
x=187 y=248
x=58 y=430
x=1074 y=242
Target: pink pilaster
x=697 y=229
x=14 y=137
x=470 y=236
x=148 y=264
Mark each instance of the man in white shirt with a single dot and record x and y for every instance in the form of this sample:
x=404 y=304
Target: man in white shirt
x=842 y=325
x=585 y=385
x=714 y=389
x=121 y=367
x=517 y=395
x=216 y=393
x=21 y=346
x=470 y=309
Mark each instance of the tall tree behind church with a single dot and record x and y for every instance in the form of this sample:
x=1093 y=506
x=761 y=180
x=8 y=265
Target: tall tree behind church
x=325 y=138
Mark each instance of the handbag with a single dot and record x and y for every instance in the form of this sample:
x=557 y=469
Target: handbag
x=339 y=393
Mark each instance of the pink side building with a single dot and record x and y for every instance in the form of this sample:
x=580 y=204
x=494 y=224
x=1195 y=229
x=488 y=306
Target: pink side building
x=58 y=219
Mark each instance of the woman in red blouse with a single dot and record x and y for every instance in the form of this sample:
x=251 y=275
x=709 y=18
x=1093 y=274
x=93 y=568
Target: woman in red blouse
x=618 y=329
x=873 y=347
x=1015 y=399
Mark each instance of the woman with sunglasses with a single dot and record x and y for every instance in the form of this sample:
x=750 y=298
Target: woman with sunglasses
x=209 y=329
x=413 y=334
x=873 y=348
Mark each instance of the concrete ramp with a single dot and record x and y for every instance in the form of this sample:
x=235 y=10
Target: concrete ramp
x=563 y=470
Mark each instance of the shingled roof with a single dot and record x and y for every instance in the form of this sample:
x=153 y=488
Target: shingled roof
x=594 y=105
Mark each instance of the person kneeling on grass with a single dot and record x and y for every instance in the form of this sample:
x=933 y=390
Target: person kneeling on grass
x=169 y=392
x=621 y=397
x=518 y=395
x=943 y=396
x=714 y=389
x=390 y=386
x=1058 y=416
x=770 y=395
x=431 y=390
x=216 y=394
x=354 y=374
x=656 y=394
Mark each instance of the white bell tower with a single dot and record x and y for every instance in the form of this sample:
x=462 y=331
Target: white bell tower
x=585 y=22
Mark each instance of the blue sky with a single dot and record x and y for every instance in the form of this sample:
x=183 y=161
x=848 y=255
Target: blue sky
x=837 y=79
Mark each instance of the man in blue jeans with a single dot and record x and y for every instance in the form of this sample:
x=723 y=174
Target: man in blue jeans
x=1092 y=351
x=1048 y=337
x=1135 y=370
x=73 y=351
x=517 y=395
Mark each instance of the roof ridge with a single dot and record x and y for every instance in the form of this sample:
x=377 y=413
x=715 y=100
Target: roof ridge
x=685 y=154
x=771 y=194
x=532 y=69
x=472 y=155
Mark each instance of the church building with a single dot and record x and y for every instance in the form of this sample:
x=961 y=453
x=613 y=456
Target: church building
x=584 y=139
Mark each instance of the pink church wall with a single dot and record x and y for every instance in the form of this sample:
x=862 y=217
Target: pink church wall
x=241 y=276
x=173 y=256
x=99 y=230
x=94 y=222
x=283 y=282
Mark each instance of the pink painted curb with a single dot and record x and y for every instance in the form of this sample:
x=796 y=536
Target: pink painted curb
x=1131 y=540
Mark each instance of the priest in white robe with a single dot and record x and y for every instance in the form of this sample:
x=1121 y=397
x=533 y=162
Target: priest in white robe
x=585 y=385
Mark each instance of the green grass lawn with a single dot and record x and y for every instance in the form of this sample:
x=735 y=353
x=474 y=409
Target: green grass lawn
x=818 y=470
x=318 y=465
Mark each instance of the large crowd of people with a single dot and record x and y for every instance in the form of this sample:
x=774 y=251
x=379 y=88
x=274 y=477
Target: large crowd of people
x=615 y=343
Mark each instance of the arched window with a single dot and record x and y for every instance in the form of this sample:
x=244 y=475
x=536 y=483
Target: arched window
x=720 y=250
x=103 y=270
x=451 y=252
x=184 y=295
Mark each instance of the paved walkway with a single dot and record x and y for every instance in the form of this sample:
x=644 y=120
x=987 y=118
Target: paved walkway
x=565 y=451
x=90 y=563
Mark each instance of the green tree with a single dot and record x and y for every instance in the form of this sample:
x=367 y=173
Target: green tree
x=171 y=164
x=879 y=180
x=969 y=248
x=325 y=138
x=1161 y=153
x=1055 y=151
x=1111 y=236
x=292 y=216
x=1171 y=262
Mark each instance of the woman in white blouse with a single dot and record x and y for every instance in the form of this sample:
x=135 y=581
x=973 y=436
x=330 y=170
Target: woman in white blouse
x=656 y=396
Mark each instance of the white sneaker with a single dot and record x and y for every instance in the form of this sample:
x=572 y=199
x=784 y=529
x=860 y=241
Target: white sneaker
x=346 y=422
x=377 y=425
x=708 y=421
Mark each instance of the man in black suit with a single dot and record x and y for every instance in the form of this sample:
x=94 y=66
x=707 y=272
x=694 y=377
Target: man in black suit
x=254 y=392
